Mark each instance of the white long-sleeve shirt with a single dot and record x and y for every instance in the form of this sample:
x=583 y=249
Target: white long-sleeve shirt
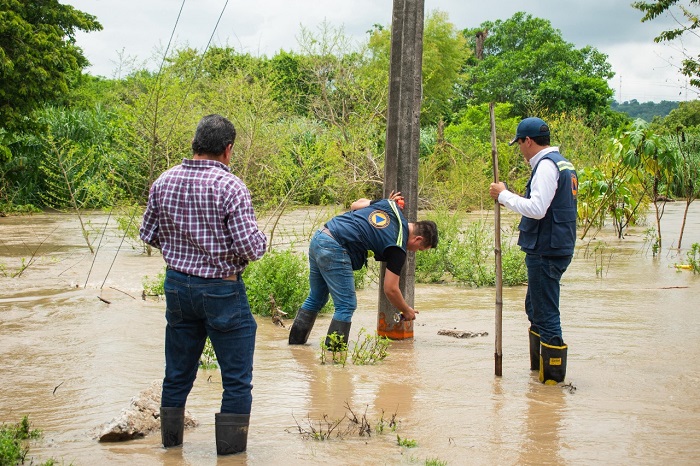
x=542 y=188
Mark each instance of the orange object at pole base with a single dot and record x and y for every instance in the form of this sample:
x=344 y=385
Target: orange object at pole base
x=387 y=327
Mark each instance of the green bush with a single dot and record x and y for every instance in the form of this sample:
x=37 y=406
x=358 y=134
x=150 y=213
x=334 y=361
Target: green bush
x=13 y=443
x=280 y=276
x=465 y=255
x=154 y=286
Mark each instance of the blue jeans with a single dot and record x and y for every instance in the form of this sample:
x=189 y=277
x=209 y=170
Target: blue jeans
x=542 y=298
x=199 y=307
x=330 y=271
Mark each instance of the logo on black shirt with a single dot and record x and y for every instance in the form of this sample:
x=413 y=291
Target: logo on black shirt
x=379 y=219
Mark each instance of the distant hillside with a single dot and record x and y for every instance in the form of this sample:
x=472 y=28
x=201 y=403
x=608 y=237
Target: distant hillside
x=647 y=110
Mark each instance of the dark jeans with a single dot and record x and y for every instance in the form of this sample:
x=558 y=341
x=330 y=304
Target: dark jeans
x=200 y=307
x=542 y=298
x=330 y=272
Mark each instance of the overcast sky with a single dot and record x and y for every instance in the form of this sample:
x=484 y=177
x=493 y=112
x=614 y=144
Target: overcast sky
x=137 y=28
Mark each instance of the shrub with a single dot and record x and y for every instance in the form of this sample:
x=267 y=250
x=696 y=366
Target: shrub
x=280 y=276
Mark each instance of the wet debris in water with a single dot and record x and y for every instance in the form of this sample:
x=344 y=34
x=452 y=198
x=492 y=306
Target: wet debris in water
x=139 y=419
x=569 y=386
x=276 y=313
x=461 y=333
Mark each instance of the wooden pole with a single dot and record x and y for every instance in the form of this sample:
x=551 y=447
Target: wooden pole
x=498 y=355
x=402 y=142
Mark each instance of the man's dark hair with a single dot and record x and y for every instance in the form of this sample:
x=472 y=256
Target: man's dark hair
x=428 y=230
x=214 y=133
x=541 y=140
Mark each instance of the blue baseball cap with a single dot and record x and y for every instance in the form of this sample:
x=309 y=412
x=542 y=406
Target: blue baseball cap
x=530 y=127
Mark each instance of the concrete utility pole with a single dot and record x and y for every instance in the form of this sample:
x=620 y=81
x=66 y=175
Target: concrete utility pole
x=402 y=141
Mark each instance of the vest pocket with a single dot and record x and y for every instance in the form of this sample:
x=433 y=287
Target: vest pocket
x=563 y=228
x=528 y=232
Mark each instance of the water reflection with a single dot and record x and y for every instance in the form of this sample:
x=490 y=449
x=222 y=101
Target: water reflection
x=543 y=417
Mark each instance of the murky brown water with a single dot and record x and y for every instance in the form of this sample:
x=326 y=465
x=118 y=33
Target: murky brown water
x=72 y=362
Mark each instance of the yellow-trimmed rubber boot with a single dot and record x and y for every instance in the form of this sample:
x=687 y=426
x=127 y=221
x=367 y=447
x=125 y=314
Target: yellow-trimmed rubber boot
x=552 y=363
x=534 y=350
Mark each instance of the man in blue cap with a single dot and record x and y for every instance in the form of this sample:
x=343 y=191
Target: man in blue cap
x=547 y=236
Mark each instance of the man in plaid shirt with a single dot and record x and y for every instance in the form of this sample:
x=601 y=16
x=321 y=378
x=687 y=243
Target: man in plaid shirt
x=201 y=217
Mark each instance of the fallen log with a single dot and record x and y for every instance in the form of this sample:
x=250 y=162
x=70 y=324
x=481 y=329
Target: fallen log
x=462 y=333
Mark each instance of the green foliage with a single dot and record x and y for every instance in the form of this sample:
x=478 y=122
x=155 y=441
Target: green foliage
x=154 y=286
x=370 y=350
x=69 y=154
x=647 y=110
x=13 y=443
x=128 y=218
x=406 y=442
x=686 y=116
x=444 y=53
x=527 y=63
x=465 y=255
x=278 y=280
x=208 y=358
x=39 y=58
x=337 y=346
x=686 y=9
x=693 y=257
x=435 y=462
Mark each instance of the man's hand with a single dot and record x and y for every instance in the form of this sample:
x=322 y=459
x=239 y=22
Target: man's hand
x=409 y=314
x=396 y=196
x=495 y=189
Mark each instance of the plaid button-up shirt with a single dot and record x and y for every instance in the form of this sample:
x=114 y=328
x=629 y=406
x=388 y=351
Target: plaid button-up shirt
x=201 y=217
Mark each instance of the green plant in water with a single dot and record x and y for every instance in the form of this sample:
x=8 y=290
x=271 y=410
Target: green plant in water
x=406 y=442
x=693 y=257
x=337 y=347
x=154 y=286
x=383 y=423
x=602 y=255
x=279 y=277
x=208 y=358
x=128 y=218
x=435 y=462
x=13 y=443
x=369 y=350
x=651 y=240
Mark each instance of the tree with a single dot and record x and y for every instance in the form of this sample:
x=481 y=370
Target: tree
x=527 y=63
x=39 y=58
x=444 y=53
x=689 y=10
x=685 y=181
x=687 y=115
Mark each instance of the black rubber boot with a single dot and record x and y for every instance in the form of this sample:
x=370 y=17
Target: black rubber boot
x=534 y=350
x=231 y=433
x=301 y=327
x=341 y=328
x=172 y=426
x=552 y=363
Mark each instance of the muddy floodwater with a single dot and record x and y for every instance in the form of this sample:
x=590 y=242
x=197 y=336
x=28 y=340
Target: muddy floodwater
x=72 y=362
